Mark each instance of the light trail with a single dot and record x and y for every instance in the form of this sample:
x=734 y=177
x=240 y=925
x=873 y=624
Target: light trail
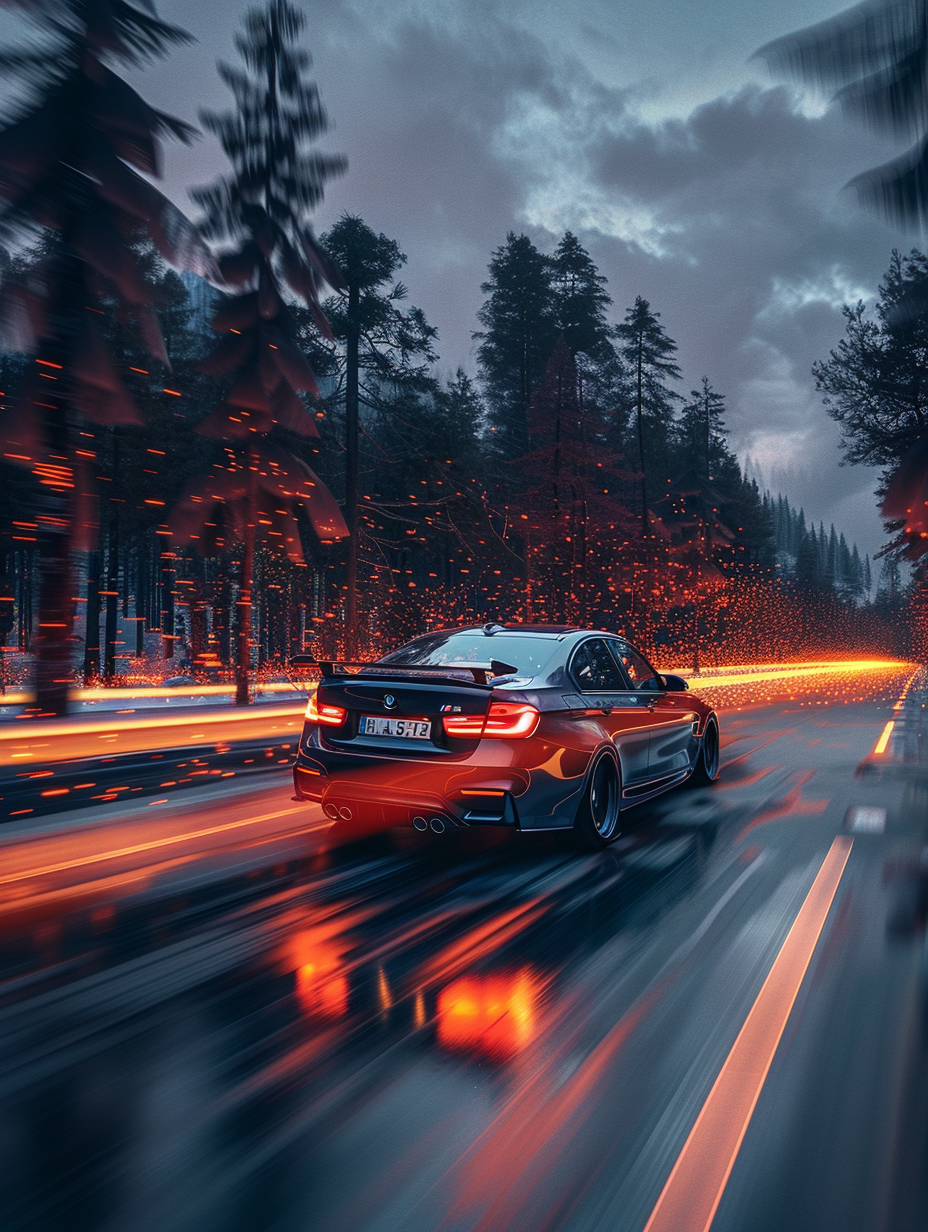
x=54 y=740
x=694 y=1189
x=760 y=674
x=156 y=692
x=151 y=845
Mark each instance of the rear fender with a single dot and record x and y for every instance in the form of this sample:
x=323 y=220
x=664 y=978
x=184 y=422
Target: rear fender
x=551 y=802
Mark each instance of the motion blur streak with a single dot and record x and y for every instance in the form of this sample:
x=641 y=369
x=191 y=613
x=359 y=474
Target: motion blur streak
x=751 y=675
x=88 y=737
x=151 y=845
x=694 y=1189
x=492 y=1014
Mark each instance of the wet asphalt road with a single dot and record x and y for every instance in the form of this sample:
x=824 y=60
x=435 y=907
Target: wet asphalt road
x=225 y=1017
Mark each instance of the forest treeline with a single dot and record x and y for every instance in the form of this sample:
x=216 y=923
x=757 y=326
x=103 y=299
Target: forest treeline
x=209 y=471
x=519 y=494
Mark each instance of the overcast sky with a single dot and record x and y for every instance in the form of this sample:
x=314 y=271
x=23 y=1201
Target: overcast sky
x=693 y=180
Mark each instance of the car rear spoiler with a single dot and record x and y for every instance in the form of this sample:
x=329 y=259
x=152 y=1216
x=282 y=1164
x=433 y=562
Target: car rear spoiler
x=346 y=667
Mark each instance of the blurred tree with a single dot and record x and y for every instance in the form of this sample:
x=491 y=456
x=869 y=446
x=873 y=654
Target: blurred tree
x=263 y=206
x=69 y=166
x=873 y=60
x=649 y=352
x=519 y=332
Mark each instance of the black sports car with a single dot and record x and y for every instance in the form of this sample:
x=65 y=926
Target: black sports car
x=532 y=727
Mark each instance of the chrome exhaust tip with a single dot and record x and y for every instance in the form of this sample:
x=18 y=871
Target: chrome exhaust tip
x=330 y=811
x=438 y=826
x=420 y=824
x=345 y=813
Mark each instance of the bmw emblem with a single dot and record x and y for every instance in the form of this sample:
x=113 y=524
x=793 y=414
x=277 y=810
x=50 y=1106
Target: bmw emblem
x=389 y=701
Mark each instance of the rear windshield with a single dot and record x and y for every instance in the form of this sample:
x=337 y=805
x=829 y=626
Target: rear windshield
x=528 y=655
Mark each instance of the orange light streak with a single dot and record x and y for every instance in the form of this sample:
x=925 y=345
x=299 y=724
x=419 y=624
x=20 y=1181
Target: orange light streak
x=763 y=673
x=70 y=738
x=61 y=866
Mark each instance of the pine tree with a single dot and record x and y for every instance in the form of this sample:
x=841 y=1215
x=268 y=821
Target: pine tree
x=700 y=431
x=69 y=165
x=581 y=300
x=807 y=560
x=518 y=336
x=649 y=353
x=263 y=207
x=379 y=349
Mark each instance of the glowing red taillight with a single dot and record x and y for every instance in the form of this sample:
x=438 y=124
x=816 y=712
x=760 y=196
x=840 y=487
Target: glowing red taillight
x=503 y=719
x=511 y=719
x=463 y=725
x=321 y=712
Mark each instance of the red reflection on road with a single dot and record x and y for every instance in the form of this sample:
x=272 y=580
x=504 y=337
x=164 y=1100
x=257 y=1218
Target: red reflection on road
x=492 y=1014
x=321 y=981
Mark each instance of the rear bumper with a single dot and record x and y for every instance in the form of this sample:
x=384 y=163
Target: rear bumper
x=367 y=800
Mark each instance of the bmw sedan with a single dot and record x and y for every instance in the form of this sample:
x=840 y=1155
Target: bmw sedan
x=527 y=727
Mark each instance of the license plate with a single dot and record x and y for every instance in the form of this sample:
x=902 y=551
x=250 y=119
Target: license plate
x=406 y=729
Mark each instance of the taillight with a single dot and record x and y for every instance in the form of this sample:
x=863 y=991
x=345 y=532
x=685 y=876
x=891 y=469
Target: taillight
x=321 y=712
x=463 y=725
x=511 y=719
x=505 y=719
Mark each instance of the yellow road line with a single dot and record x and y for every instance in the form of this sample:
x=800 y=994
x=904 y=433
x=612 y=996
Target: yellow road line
x=880 y=747
x=694 y=1189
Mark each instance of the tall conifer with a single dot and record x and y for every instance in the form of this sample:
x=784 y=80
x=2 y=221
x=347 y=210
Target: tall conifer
x=69 y=166
x=649 y=351
x=263 y=207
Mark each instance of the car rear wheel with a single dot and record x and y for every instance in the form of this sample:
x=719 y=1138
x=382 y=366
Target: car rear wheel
x=706 y=770
x=597 y=820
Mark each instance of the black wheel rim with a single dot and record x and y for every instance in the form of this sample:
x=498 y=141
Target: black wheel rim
x=710 y=752
x=604 y=799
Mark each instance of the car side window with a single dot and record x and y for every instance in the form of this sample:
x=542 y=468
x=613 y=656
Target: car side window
x=594 y=668
x=639 y=671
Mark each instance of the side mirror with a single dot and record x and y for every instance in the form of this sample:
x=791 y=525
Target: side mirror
x=674 y=684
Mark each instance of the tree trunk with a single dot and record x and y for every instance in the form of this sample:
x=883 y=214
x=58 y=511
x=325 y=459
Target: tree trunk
x=141 y=588
x=167 y=599
x=645 y=522
x=92 y=631
x=243 y=655
x=351 y=471
x=53 y=644
x=112 y=602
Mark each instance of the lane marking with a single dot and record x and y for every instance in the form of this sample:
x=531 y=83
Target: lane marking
x=694 y=1189
x=865 y=820
x=137 y=848
x=880 y=747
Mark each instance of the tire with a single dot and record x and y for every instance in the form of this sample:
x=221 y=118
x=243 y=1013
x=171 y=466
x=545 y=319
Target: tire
x=706 y=770
x=598 y=818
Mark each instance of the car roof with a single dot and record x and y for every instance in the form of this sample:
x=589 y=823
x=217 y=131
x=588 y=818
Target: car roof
x=531 y=630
